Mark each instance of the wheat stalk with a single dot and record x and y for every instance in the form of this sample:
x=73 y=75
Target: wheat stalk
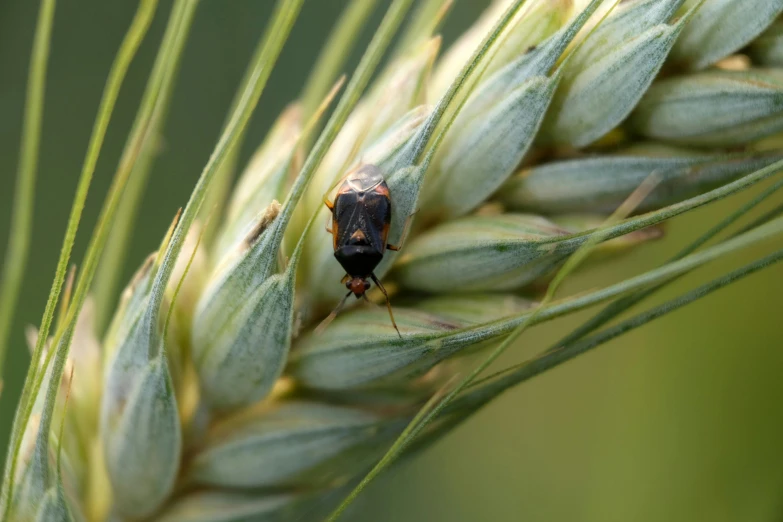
x=212 y=397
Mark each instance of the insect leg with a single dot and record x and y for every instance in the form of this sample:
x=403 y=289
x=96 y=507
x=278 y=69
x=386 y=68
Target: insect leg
x=321 y=327
x=328 y=223
x=328 y=202
x=388 y=303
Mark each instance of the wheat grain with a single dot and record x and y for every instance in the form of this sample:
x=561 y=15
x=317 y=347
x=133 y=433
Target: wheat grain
x=238 y=410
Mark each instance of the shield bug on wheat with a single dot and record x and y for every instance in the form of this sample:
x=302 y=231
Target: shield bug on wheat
x=359 y=224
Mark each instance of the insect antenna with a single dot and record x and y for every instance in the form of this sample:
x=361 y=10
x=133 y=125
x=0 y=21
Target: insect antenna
x=388 y=303
x=322 y=326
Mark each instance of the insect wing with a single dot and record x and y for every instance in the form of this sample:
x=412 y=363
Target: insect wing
x=362 y=219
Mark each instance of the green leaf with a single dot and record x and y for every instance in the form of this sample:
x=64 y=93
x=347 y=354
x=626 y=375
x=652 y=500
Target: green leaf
x=479 y=253
x=541 y=61
x=37 y=478
x=481 y=153
x=33 y=483
x=501 y=252
x=358 y=350
x=625 y=22
x=475 y=308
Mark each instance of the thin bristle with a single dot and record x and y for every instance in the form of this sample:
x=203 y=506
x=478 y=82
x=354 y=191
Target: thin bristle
x=464 y=182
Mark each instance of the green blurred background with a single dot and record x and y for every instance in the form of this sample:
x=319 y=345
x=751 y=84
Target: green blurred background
x=679 y=421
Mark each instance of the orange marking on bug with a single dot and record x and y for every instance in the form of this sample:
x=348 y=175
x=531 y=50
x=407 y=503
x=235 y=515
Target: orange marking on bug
x=385 y=233
x=345 y=188
x=362 y=207
x=334 y=233
x=383 y=190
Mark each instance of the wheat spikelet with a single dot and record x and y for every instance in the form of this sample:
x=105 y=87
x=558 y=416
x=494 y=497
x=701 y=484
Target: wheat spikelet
x=212 y=397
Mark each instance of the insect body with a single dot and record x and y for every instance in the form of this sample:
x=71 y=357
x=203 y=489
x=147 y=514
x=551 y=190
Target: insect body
x=360 y=222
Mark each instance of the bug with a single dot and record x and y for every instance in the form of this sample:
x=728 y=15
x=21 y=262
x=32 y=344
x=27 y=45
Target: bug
x=359 y=224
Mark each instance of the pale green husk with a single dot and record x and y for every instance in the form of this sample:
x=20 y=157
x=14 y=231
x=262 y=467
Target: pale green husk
x=213 y=395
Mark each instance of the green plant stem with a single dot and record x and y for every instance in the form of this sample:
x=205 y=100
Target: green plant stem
x=150 y=106
x=334 y=54
x=448 y=343
x=321 y=80
x=424 y=22
x=487 y=389
x=501 y=381
x=643 y=318
x=767 y=216
x=396 y=448
x=22 y=216
x=557 y=309
x=217 y=196
x=178 y=288
x=99 y=237
x=419 y=146
x=356 y=86
x=665 y=273
x=616 y=308
x=430 y=412
x=142 y=146
x=492 y=386
x=283 y=20
x=435 y=405
x=126 y=53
